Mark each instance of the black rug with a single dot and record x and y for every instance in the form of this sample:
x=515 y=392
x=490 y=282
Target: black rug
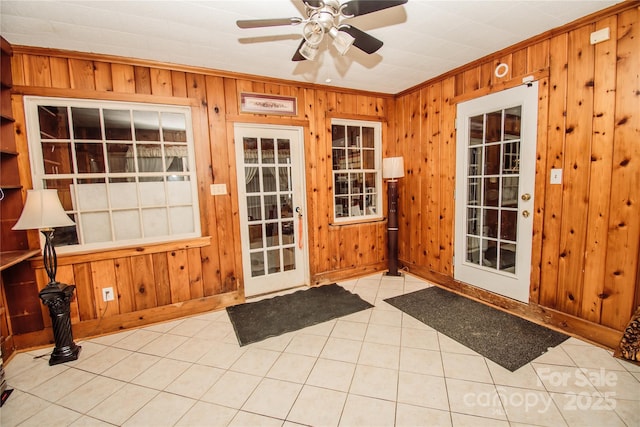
x=508 y=340
x=256 y=321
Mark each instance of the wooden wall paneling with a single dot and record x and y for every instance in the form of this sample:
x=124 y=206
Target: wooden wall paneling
x=60 y=74
x=81 y=74
x=426 y=131
x=401 y=148
x=311 y=137
x=347 y=103
x=431 y=174
x=320 y=151
x=17 y=69
x=577 y=159
x=231 y=97
x=413 y=168
x=37 y=71
x=103 y=275
x=42 y=280
x=555 y=160
x=161 y=83
x=194 y=267
x=471 y=80
x=366 y=105
x=103 y=77
x=519 y=63
x=64 y=274
x=143 y=281
x=272 y=89
x=258 y=87
x=124 y=79
x=600 y=173
x=216 y=156
x=125 y=285
x=163 y=282
x=84 y=291
x=541 y=177
x=179 y=84
x=487 y=74
x=381 y=238
x=143 y=80
x=538 y=56
x=380 y=107
x=447 y=177
x=623 y=244
x=223 y=163
x=178 y=263
x=350 y=238
x=333 y=253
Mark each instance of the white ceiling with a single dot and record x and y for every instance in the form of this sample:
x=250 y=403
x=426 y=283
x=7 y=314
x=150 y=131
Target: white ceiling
x=422 y=39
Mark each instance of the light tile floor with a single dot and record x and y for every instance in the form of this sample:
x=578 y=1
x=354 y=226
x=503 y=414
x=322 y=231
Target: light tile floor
x=378 y=367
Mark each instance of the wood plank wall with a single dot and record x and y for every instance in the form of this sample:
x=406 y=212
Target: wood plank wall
x=587 y=231
x=153 y=282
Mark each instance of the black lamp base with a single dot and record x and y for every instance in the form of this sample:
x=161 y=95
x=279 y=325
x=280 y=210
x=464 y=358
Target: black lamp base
x=57 y=297
x=391 y=274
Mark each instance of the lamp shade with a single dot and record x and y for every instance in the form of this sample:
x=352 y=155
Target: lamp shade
x=392 y=167
x=42 y=210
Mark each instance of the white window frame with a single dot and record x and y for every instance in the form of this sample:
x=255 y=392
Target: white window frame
x=189 y=197
x=364 y=216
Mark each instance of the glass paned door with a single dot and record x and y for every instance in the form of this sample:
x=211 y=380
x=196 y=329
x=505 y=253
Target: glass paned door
x=495 y=175
x=492 y=189
x=271 y=207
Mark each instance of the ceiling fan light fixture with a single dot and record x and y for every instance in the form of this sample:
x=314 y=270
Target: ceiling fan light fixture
x=309 y=51
x=342 y=41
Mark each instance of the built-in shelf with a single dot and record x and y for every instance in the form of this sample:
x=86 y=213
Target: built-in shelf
x=11 y=258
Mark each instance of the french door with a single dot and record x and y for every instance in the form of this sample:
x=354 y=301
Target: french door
x=271 y=201
x=495 y=174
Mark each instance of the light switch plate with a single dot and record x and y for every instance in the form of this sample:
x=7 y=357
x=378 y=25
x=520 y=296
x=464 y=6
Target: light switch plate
x=218 y=189
x=556 y=176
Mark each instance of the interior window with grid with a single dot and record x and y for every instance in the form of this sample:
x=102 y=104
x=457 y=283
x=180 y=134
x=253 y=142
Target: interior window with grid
x=357 y=177
x=124 y=172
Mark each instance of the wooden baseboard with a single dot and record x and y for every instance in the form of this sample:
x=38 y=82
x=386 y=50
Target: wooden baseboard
x=136 y=319
x=562 y=322
x=347 y=273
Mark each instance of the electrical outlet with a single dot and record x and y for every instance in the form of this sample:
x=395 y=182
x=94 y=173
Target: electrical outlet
x=107 y=294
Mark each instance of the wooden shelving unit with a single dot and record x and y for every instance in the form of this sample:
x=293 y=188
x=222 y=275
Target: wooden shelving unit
x=15 y=273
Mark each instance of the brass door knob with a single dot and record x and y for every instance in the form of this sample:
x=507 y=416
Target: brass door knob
x=526 y=197
x=526 y=214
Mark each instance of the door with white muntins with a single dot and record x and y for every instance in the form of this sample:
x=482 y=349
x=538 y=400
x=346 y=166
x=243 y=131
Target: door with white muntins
x=271 y=202
x=495 y=178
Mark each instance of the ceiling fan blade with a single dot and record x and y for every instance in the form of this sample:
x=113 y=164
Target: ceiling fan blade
x=362 y=7
x=298 y=56
x=363 y=41
x=314 y=3
x=256 y=23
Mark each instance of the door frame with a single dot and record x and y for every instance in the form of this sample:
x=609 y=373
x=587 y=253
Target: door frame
x=302 y=202
x=485 y=278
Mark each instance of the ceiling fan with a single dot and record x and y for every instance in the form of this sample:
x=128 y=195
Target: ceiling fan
x=325 y=17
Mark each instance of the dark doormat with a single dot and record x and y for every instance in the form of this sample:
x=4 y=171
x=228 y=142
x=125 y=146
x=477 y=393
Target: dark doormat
x=256 y=321
x=508 y=340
